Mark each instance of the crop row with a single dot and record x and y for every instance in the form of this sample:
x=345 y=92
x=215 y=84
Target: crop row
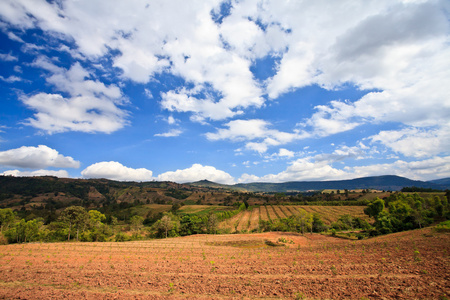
x=248 y=220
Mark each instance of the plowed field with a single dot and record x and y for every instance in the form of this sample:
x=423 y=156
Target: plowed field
x=408 y=265
x=328 y=214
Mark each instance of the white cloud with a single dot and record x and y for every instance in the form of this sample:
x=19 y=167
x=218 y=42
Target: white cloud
x=14 y=37
x=286 y=153
x=170 y=133
x=246 y=178
x=8 y=57
x=91 y=107
x=428 y=169
x=343 y=153
x=116 y=171
x=17 y=173
x=195 y=173
x=397 y=49
x=416 y=142
x=303 y=169
x=36 y=157
x=328 y=120
x=171 y=120
x=148 y=93
x=11 y=79
x=183 y=41
x=183 y=101
x=281 y=154
x=254 y=130
x=316 y=168
x=87 y=114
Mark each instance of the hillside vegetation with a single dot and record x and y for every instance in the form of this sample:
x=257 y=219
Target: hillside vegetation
x=52 y=209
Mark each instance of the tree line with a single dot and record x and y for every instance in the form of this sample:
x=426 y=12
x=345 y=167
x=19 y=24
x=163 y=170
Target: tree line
x=398 y=212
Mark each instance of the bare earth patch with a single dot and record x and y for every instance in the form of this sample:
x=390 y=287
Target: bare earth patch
x=408 y=265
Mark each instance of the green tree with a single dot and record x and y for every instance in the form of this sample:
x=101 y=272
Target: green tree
x=136 y=223
x=7 y=217
x=213 y=223
x=98 y=231
x=96 y=218
x=75 y=217
x=347 y=221
x=24 y=231
x=375 y=208
x=317 y=224
x=191 y=225
x=304 y=221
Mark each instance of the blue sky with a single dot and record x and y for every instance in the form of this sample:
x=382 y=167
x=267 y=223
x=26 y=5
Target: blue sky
x=230 y=91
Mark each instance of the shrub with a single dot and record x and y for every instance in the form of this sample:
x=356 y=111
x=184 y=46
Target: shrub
x=121 y=237
x=443 y=227
x=3 y=240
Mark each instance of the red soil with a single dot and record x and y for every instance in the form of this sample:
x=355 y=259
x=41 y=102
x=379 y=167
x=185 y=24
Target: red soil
x=408 y=265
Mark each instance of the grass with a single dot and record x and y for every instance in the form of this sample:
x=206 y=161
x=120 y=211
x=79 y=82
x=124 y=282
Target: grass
x=146 y=208
x=202 y=210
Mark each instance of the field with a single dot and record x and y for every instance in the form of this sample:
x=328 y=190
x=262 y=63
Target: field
x=249 y=220
x=407 y=265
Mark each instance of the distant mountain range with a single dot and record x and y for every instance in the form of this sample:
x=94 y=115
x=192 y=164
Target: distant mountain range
x=387 y=183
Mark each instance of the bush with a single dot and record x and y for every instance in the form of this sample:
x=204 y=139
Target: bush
x=3 y=240
x=121 y=237
x=443 y=227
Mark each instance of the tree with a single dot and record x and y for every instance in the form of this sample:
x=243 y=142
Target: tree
x=175 y=207
x=304 y=220
x=191 y=225
x=213 y=223
x=418 y=213
x=375 y=208
x=96 y=218
x=24 y=231
x=166 y=224
x=317 y=224
x=347 y=221
x=136 y=222
x=6 y=218
x=74 y=216
x=97 y=230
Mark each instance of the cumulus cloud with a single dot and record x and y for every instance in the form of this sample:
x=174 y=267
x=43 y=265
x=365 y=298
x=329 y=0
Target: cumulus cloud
x=87 y=114
x=36 y=157
x=398 y=50
x=184 y=41
x=195 y=173
x=427 y=169
x=416 y=142
x=385 y=45
x=91 y=107
x=313 y=168
x=17 y=173
x=116 y=171
x=256 y=133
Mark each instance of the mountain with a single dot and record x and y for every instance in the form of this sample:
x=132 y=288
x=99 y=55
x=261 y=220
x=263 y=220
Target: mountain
x=443 y=181
x=387 y=182
x=208 y=184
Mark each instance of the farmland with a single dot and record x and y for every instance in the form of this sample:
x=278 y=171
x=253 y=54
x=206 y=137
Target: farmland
x=406 y=265
x=249 y=220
